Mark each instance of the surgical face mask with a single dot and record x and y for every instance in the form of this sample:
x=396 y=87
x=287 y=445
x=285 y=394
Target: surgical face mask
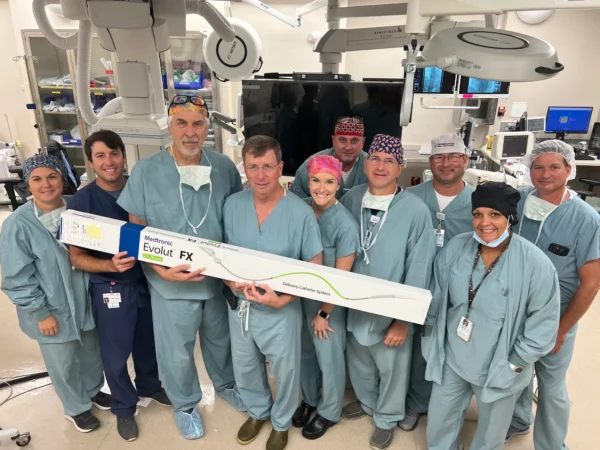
x=51 y=220
x=196 y=177
x=496 y=242
x=539 y=210
x=378 y=202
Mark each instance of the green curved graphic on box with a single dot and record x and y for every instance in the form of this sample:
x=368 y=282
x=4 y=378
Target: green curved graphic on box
x=314 y=275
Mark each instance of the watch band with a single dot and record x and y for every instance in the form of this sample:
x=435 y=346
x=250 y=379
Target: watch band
x=323 y=314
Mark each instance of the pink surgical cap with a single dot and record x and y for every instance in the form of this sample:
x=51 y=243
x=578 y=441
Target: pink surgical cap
x=325 y=164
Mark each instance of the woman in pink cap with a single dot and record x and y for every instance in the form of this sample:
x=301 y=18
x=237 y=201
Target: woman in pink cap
x=324 y=332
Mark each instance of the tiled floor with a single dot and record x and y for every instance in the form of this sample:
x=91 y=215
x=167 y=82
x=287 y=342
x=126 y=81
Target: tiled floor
x=40 y=412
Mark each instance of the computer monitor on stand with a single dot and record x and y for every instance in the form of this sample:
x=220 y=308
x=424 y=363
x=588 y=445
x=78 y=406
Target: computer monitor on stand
x=563 y=120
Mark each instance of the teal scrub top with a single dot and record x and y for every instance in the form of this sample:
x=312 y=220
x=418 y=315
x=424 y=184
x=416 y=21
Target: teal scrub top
x=152 y=194
x=458 y=214
x=38 y=278
x=291 y=230
x=403 y=252
x=339 y=233
x=515 y=315
x=574 y=225
x=357 y=176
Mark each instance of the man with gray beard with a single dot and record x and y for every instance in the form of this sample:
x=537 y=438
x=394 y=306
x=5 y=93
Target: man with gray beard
x=183 y=189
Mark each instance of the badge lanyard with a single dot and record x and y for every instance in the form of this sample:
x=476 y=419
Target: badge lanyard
x=367 y=240
x=439 y=231
x=465 y=326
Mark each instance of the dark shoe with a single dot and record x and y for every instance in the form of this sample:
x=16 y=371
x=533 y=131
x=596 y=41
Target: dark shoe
x=514 y=431
x=102 y=401
x=353 y=410
x=278 y=440
x=84 y=422
x=249 y=431
x=317 y=427
x=127 y=428
x=302 y=415
x=381 y=439
x=410 y=421
x=161 y=398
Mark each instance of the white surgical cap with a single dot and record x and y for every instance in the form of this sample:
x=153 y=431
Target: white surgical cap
x=447 y=143
x=553 y=146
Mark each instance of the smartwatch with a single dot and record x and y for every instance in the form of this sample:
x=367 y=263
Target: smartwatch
x=323 y=314
x=516 y=369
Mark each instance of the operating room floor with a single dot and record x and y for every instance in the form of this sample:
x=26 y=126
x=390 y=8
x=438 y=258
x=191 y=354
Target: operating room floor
x=40 y=413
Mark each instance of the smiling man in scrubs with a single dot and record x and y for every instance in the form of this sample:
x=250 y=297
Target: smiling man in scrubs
x=183 y=189
x=449 y=202
x=264 y=324
x=348 y=141
x=568 y=230
x=397 y=244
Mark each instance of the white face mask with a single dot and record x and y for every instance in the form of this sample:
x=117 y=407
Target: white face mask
x=196 y=177
x=539 y=210
x=379 y=202
x=50 y=220
x=496 y=242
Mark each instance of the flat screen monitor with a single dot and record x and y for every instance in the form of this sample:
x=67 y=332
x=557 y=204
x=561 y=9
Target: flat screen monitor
x=568 y=119
x=301 y=115
x=595 y=138
x=433 y=80
x=475 y=86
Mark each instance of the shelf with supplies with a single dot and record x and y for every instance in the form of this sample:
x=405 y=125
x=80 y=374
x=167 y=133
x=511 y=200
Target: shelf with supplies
x=61 y=113
x=95 y=90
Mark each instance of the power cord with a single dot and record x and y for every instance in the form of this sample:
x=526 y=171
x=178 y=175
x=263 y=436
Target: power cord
x=12 y=397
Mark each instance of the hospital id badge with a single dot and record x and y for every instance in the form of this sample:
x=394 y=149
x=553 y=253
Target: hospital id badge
x=374 y=219
x=439 y=238
x=112 y=299
x=465 y=329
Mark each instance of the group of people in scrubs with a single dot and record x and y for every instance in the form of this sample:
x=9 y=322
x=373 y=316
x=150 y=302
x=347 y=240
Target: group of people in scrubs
x=511 y=273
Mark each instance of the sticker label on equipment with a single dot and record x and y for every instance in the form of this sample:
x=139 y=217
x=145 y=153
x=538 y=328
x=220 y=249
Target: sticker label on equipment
x=232 y=54
x=493 y=39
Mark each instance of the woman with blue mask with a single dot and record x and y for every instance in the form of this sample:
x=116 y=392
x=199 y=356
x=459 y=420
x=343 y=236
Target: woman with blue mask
x=51 y=298
x=494 y=313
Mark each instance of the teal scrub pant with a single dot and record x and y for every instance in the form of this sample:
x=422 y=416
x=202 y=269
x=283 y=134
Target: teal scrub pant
x=379 y=376
x=447 y=414
x=272 y=334
x=326 y=357
x=419 y=389
x=553 y=406
x=75 y=369
x=176 y=324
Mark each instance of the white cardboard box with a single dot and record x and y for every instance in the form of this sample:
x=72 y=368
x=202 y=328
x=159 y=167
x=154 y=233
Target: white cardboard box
x=233 y=263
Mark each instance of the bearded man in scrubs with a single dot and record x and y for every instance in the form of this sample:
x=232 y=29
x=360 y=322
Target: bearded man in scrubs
x=568 y=230
x=264 y=324
x=397 y=244
x=348 y=141
x=183 y=189
x=448 y=198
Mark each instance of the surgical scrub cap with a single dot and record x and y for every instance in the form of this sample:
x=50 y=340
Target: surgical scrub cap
x=387 y=144
x=499 y=196
x=44 y=160
x=552 y=146
x=325 y=164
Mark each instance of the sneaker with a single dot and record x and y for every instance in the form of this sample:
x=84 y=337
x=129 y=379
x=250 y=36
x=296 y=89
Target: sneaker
x=102 y=401
x=514 y=431
x=127 y=428
x=381 y=439
x=162 y=398
x=189 y=423
x=353 y=410
x=84 y=422
x=410 y=421
x=233 y=397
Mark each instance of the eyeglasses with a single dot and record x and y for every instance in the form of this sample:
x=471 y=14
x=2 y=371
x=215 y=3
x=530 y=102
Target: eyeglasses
x=267 y=168
x=452 y=157
x=389 y=162
x=193 y=99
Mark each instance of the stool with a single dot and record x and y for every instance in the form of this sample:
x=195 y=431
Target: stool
x=590 y=182
x=584 y=194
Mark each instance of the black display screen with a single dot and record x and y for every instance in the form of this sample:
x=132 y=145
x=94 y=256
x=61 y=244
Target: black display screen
x=515 y=146
x=301 y=115
x=433 y=80
x=476 y=86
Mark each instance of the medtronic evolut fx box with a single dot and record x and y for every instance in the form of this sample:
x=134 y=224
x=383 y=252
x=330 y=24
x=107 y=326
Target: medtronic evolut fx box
x=233 y=263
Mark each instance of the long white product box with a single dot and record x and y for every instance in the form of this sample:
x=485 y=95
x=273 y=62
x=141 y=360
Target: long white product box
x=233 y=263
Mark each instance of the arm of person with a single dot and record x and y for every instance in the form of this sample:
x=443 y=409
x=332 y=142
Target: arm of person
x=543 y=313
x=18 y=278
x=81 y=259
x=589 y=275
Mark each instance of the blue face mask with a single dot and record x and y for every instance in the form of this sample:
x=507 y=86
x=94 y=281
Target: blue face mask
x=495 y=243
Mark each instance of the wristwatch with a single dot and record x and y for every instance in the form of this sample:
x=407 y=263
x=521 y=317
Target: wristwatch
x=323 y=314
x=516 y=369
